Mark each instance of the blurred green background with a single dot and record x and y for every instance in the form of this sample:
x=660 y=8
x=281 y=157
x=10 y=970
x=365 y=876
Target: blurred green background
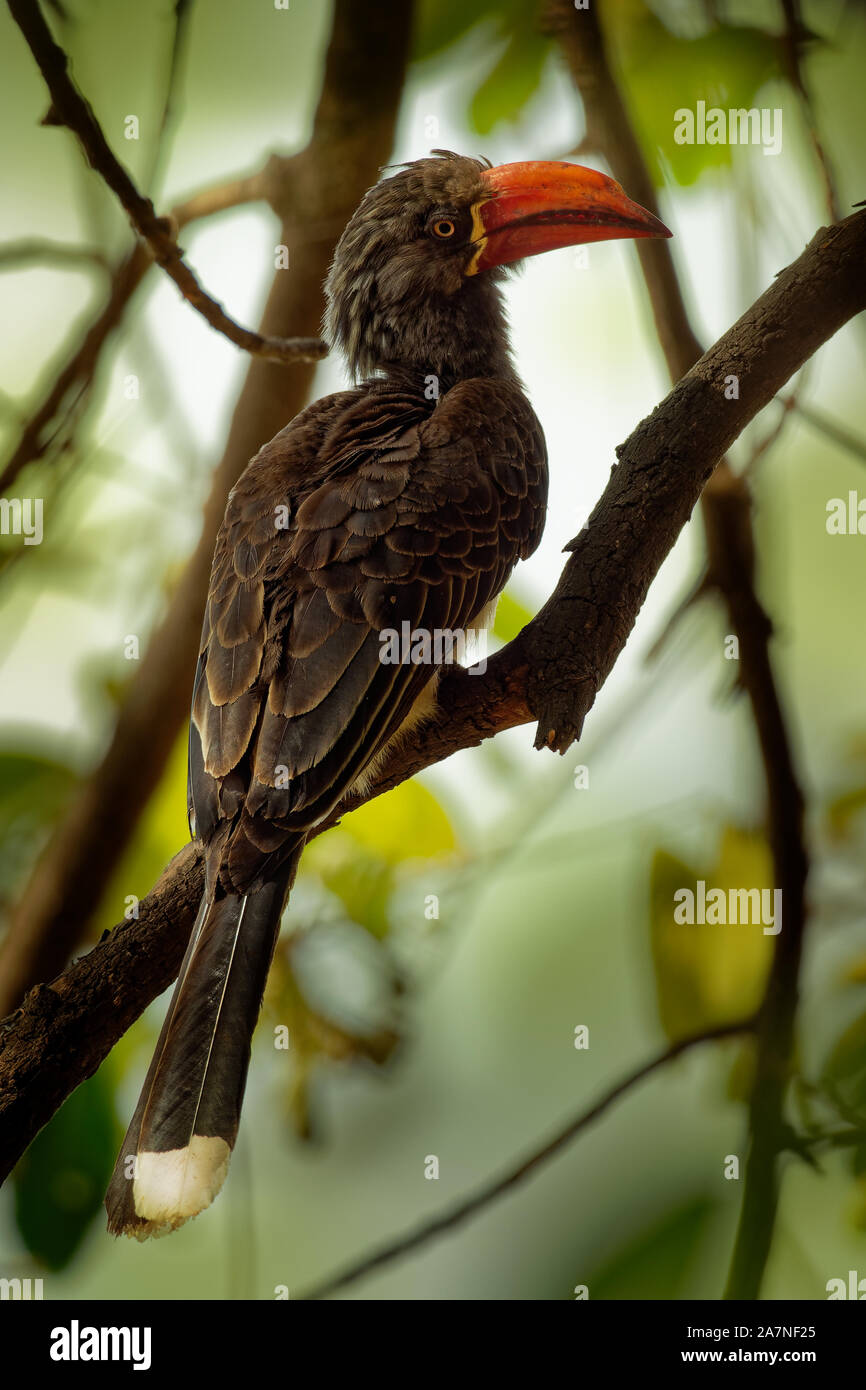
x=445 y=942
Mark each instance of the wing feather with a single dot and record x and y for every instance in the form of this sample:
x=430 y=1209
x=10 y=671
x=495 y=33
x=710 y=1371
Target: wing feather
x=402 y=512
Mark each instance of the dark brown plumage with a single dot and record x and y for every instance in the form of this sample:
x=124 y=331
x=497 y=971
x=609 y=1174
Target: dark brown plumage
x=407 y=499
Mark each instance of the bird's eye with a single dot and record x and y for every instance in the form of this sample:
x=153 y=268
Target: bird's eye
x=444 y=228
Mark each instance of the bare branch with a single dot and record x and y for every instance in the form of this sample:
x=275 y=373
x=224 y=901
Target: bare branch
x=789 y=404
x=831 y=429
x=552 y=671
x=71 y=387
x=182 y=16
x=794 y=38
x=14 y=254
x=72 y=110
x=449 y=1220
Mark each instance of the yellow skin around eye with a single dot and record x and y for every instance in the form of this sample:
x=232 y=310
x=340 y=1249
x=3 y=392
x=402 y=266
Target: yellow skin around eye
x=479 y=239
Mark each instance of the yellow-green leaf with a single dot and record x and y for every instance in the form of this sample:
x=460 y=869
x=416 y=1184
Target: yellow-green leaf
x=708 y=974
x=407 y=823
x=511 y=617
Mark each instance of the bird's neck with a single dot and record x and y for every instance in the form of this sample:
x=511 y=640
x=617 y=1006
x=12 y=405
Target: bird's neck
x=444 y=338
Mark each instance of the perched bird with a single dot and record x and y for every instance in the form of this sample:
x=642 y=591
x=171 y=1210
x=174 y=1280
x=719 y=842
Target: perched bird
x=408 y=499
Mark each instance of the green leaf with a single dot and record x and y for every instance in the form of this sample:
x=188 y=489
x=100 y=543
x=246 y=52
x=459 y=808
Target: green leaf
x=60 y=1181
x=163 y=830
x=708 y=974
x=441 y=23
x=656 y=1264
x=511 y=617
x=407 y=823
x=513 y=80
x=845 y=1067
x=363 y=885
x=843 y=809
x=36 y=790
x=33 y=783
x=724 y=67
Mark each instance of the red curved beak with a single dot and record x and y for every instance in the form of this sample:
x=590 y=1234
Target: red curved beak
x=541 y=205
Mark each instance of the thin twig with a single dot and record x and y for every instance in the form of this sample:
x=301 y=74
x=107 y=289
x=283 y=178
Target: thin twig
x=794 y=38
x=71 y=387
x=182 y=16
x=73 y=383
x=831 y=429
x=14 y=254
x=766 y=443
x=72 y=110
x=449 y=1220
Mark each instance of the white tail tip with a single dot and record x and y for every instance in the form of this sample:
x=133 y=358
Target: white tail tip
x=170 y=1188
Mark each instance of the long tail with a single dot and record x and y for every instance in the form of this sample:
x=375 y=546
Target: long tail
x=176 y=1154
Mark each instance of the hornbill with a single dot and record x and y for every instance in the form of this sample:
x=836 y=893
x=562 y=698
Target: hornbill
x=408 y=499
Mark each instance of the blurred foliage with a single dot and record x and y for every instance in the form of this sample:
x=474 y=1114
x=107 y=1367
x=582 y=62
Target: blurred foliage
x=36 y=790
x=335 y=984
x=60 y=1182
x=511 y=616
x=708 y=975
x=658 y=1259
x=312 y=1026
x=408 y=823
x=512 y=34
x=844 y=1072
x=846 y=806
x=725 y=65
x=161 y=832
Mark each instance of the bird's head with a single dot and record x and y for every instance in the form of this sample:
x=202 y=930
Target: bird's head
x=415 y=276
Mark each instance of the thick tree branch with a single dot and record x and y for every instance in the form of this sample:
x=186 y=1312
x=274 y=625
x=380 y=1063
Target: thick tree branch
x=314 y=193
x=72 y=110
x=552 y=671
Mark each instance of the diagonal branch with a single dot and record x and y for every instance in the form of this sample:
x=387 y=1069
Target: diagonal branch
x=75 y=378
x=72 y=110
x=551 y=672
x=449 y=1220
x=840 y=435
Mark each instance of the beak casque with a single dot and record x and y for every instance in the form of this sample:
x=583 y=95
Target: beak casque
x=541 y=205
